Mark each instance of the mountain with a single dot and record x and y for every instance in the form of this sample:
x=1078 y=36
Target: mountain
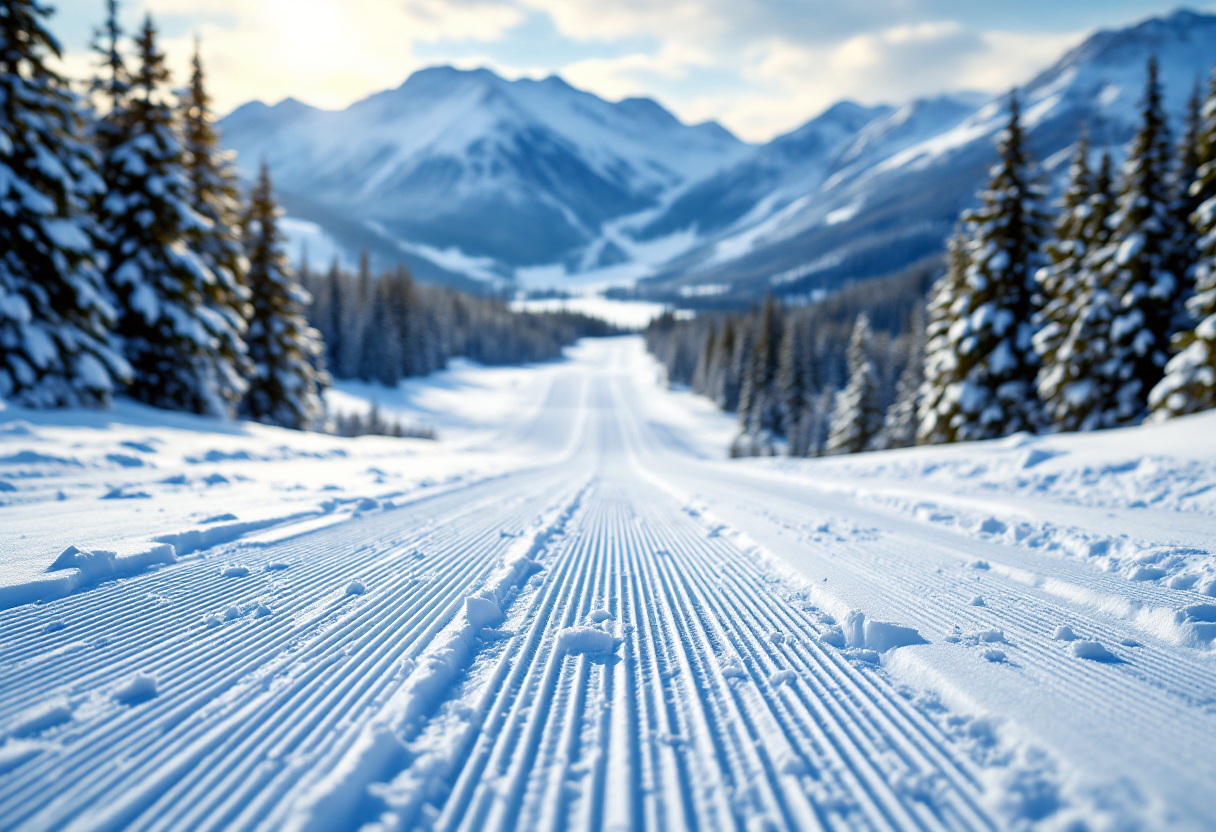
x=889 y=198
x=470 y=178
x=464 y=171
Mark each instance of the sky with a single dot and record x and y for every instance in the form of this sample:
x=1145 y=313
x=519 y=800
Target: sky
x=759 y=67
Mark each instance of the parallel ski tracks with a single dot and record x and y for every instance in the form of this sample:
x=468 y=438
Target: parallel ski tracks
x=718 y=708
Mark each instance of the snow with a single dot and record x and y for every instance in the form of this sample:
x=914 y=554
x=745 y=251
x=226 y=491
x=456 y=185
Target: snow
x=298 y=631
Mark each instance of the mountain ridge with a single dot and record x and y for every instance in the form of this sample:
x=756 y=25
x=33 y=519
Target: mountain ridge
x=471 y=178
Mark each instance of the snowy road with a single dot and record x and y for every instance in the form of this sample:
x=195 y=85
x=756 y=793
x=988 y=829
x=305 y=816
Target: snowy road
x=625 y=634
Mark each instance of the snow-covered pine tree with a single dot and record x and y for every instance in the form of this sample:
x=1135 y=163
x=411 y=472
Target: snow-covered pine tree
x=902 y=417
x=214 y=195
x=174 y=342
x=858 y=413
x=725 y=390
x=1136 y=266
x=705 y=359
x=1189 y=385
x=1074 y=342
x=759 y=414
x=286 y=385
x=941 y=360
x=54 y=318
x=1074 y=319
x=790 y=387
x=986 y=389
x=1184 y=246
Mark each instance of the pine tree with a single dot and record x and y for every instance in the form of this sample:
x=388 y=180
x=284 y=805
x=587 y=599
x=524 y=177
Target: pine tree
x=1184 y=244
x=790 y=388
x=54 y=346
x=1136 y=266
x=1074 y=333
x=214 y=196
x=757 y=401
x=172 y=340
x=286 y=385
x=986 y=389
x=858 y=413
x=902 y=417
x=725 y=385
x=941 y=360
x=701 y=377
x=1189 y=385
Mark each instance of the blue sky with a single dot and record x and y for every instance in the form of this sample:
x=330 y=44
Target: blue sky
x=760 y=67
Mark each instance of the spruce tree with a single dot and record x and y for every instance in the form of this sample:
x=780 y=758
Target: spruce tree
x=54 y=346
x=705 y=359
x=1074 y=333
x=286 y=385
x=1184 y=245
x=214 y=196
x=1189 y=385
x=790 y=387
x=725 y=385
x=1136 y=266
x=987 y=388
x=172 y=339
x=757 y=403
x=858 y=413
x=902 y=417
x=941 y=360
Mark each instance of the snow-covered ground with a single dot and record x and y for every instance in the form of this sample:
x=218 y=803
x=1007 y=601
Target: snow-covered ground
x=572 y=612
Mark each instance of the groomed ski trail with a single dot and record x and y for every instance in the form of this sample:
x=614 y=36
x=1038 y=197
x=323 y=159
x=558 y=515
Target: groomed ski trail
x=613 y=639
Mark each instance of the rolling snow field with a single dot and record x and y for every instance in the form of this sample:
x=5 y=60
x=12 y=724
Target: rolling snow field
x=572 y=612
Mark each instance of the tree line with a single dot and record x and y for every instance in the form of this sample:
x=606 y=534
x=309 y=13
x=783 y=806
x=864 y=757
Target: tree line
x=1101 y=316
x=131 y=260
x=388 y=327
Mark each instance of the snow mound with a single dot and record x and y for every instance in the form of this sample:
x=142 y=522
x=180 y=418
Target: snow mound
x=782 y=677
x=879 y=636
x=482 y=611
x=356 y=587
x=599 y=616
x=588 y=640
x=1093 y=651
x=234 y=571
x=1064 y=633
x=140 y=687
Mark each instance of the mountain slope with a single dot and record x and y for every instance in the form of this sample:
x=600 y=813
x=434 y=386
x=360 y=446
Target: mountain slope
x=507 y=173
x=895 y=200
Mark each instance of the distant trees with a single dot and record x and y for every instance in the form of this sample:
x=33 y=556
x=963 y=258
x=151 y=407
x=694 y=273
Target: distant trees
x=1028 y=328
x=387 y=327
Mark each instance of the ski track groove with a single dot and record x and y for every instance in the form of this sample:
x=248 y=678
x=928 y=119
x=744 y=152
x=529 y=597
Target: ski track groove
x=253 y=714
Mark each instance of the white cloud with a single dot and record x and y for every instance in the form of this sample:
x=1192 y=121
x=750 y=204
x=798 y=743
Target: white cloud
x=759 y=66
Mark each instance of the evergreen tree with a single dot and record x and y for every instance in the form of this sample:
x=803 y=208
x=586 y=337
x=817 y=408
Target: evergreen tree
x=286 y=385
x=726 y=383
x=1184 y=245
x=1189 y=385
x=1074 y=332
x=703 y=375
x=858 y=413
x=1136 y=266
x=214 y=196
x=54 y=347
x=902 y=417
x=758 y=405
x=941 y=360
x=791 y=388
x=380 y=356
x=172 y=339
x=987 y=388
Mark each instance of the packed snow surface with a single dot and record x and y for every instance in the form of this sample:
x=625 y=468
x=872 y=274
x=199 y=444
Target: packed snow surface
x=572 y=612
